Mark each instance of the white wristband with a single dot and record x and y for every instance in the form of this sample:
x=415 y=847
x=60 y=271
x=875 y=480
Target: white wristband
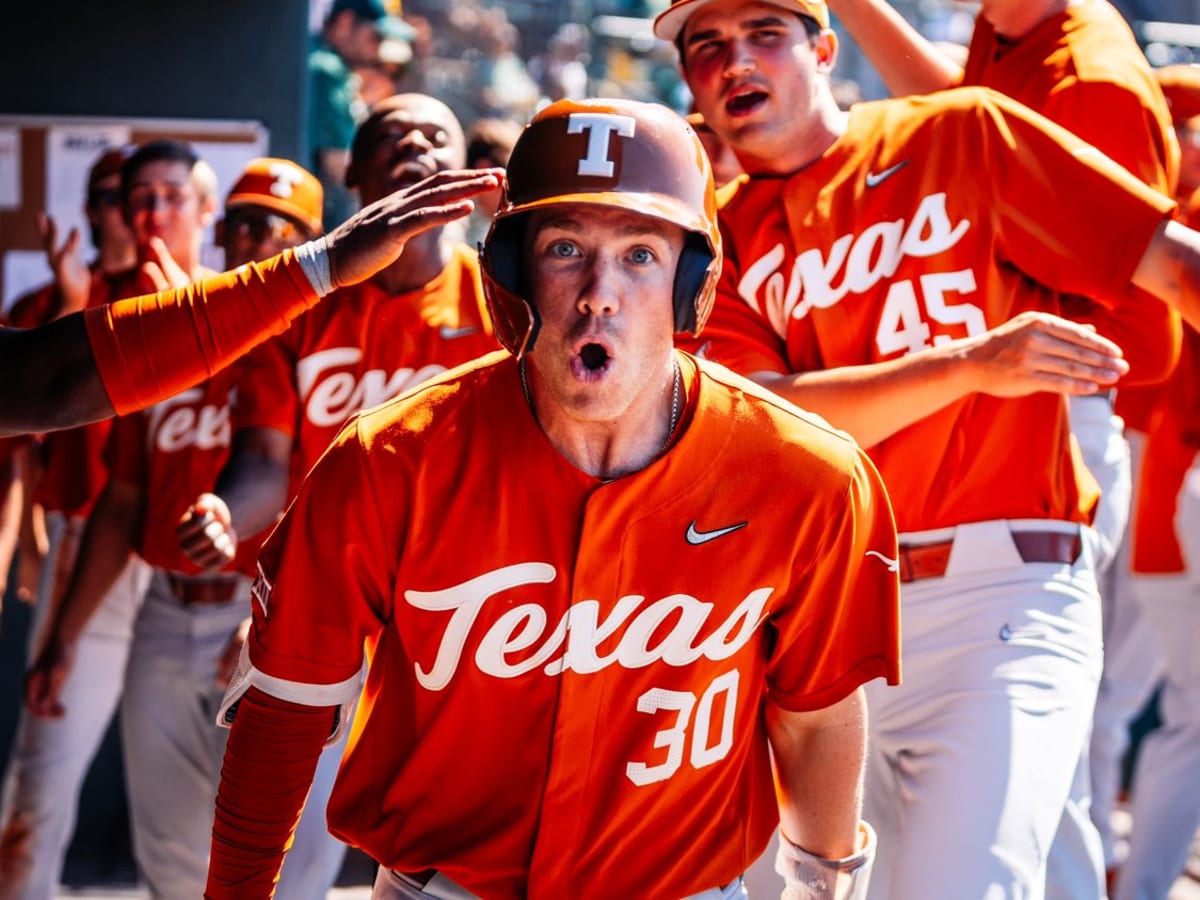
x=810 y=877
x=314 y=260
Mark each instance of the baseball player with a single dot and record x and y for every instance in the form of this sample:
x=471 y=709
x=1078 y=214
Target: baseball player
x=130 y=354
x=1165 y=561
x=872 y=275
x=421 y=315
x=1078 y=64
x=591 y=619
x=167 y=198
x=173 y=682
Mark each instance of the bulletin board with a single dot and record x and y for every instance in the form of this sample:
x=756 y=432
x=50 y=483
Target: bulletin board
x=44 y=161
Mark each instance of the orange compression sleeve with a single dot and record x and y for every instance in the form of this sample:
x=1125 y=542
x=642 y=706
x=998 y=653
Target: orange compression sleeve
x=152 y=347
x=269 y=763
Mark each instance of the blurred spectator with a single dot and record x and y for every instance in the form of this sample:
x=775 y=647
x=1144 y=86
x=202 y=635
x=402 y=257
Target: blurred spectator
x=489 y=142
x=351 y=38
x=561 y=71
x=502 y=84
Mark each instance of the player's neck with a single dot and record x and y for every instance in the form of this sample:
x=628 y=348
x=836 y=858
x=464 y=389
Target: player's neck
x=1013 y=21
x=119 y=256
x=611 y=449
x=805 y=145
x=423 y=259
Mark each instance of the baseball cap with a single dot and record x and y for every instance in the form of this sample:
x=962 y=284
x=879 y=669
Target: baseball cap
x=282 y=186
x=1181 y=86
x=108 y=164
x=670 y=22
x=385 y=15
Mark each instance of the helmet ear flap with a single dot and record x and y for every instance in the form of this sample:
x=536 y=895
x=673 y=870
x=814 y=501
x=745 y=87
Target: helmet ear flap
x=690 y=275
x=514 y=318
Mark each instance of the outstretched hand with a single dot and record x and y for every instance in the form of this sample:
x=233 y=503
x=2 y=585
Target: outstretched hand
x=1037 y=351
x=71 y=273
x=374 y=237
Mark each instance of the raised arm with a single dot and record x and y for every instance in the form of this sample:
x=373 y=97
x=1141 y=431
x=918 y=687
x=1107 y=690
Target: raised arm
x=133 y=353
x=1032 y=352
x=904 y=58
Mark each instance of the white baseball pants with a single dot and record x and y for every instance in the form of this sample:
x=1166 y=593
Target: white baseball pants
x=1076 y=864
x=174 y=750
x=1166 y=787
x=972 y=758
x=50 y=757
x=390 y=885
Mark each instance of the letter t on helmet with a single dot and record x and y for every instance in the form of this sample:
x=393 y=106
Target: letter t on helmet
x=638 y=156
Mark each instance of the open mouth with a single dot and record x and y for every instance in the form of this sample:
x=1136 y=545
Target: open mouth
x=593 y=357
x=745 y=102
x=591 y=362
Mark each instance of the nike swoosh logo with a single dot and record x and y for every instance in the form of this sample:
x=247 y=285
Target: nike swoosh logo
x=448 y=333
x=696 y=538
x=893 y=565
x=874 y=179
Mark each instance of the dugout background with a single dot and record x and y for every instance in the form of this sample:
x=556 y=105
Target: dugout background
x=141 y=59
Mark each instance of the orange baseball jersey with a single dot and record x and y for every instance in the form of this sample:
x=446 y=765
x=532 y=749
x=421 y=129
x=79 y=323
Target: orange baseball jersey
x=566 y=695
x=930 y=220
x=358 y=349
x=1083 y=69
x=1172 y=444
x=175 y=450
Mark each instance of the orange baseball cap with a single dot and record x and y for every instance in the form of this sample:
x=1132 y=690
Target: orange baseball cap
x=670 y=22
x=282 y=186
x=1181 y=86
x=108 y=164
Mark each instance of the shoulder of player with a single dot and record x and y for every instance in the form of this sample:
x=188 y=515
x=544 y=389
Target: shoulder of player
x=779 y=426
x=442 y=402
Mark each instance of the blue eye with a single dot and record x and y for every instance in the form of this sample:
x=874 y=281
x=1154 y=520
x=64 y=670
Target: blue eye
x=642 y=255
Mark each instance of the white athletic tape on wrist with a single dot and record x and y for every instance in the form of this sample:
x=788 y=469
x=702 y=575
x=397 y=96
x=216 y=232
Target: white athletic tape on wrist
x=314 y=261
x=810 y=877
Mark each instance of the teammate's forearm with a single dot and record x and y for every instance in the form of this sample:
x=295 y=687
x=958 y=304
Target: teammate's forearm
x=149 y=348
x=104 y=552
x=873 y=402
x=254 y=487
x=819 y=759
x=1170 y=269
x=905 y=59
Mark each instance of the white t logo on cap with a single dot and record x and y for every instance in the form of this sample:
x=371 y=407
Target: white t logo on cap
x=286 y=177
x=598 y=127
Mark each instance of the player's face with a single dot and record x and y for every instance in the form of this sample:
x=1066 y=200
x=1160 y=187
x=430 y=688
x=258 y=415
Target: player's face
x=254 y=233
x=163 y=202
x=105 y=214
x=601 y=279
x=417 y=139
x=756 y=75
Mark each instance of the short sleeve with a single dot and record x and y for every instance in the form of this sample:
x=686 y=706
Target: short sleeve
x=842 y=626
x=326 y=573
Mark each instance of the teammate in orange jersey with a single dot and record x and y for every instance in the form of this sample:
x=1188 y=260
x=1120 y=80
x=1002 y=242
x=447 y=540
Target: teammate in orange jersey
x=592 y=617
x=413 y=320
x=174 y=682
x=1078 y=63
x=132 y=353
x=888 y=284
x=1166 y=583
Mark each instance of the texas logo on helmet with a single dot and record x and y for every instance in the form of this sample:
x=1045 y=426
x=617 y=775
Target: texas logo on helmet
x=642 y=157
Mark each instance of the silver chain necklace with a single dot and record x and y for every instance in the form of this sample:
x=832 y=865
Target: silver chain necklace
x=675 y=406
